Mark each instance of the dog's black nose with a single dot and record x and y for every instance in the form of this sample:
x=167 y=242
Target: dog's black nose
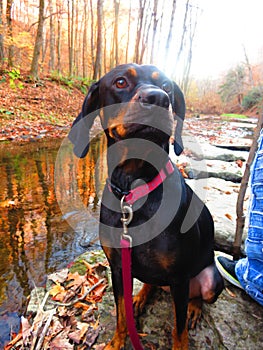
x=150 y=97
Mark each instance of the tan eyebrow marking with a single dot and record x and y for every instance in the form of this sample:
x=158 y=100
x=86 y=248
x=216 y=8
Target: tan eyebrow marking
x=155 y=75
x=132 y=72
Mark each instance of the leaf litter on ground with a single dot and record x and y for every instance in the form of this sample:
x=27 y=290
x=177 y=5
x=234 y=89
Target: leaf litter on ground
x=67 y=317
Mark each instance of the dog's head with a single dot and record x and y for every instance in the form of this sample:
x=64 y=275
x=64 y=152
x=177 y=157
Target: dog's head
x=132 y=101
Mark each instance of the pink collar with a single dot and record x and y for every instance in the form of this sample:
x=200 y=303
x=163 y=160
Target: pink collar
x=143 y=190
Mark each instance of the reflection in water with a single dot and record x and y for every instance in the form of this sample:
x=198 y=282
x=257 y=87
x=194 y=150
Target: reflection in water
x=35 y=238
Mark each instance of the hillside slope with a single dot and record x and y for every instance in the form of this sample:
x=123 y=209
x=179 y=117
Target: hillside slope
x=31 y=110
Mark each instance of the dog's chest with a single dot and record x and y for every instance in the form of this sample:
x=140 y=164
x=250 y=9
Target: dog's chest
x=152 y=265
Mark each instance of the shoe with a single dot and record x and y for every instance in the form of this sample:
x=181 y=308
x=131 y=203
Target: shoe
x=226 y=266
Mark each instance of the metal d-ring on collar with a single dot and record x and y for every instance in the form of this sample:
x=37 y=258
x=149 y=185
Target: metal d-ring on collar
x=127 y=215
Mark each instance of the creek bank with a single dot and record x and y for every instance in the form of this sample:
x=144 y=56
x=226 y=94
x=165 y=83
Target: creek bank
x=215 y=174
x=220 y=196
x=233 y=322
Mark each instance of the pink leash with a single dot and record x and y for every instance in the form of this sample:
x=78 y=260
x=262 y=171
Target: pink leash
x=126 y=244
x=127 y=287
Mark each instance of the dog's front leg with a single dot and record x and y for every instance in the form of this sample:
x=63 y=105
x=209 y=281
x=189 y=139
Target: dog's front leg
x=120 y=334
x=180 y=295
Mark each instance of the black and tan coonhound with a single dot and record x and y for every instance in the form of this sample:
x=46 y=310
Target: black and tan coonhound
x=172 y=230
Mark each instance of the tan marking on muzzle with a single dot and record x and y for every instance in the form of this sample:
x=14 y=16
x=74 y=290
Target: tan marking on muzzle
x=120 y=123
x=121 y=130
x=117 y=124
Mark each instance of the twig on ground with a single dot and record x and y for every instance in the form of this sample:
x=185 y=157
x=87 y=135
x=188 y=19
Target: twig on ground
x=80 y=298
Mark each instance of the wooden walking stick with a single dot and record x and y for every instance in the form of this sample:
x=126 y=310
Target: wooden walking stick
x=240 y=221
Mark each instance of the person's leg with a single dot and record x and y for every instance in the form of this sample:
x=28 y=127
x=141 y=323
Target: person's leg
x=249 y=274
x=249 y=271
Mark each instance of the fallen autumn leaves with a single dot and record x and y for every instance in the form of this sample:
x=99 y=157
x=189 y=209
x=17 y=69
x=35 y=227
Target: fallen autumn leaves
x=66 y=318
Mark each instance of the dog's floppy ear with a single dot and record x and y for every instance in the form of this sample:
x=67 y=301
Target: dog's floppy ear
x=178 y=105
x=79 y=133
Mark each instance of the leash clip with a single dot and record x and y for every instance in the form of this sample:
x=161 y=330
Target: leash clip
x=127 y=215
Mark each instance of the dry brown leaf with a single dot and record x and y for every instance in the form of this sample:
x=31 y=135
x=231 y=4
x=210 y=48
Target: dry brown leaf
x=83 y=327
x=76 y=280
x=75 y=336
x=14 y=341
x=98 y=293
x=92 y=279
x=26 y=328
x=88 y=266
x=59 y=277
x=78 y=335
x=80 y=305
x=96 y=325
x=58 y=292
x=91 y=336
x=99 y=346
x=232 y=294
x=56 y=327
x=228 y=216
x=61 y=342
x=239 y=163
x=143 y=334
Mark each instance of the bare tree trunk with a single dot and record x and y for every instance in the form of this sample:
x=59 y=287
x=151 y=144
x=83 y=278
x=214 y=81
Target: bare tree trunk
x=71 y=64
x=111 y=53
x=183 y=33
x=92 y=48
x=58 y=38
x=106 y=54
x=139 y=30
x=146 y=31
x=155 y=24
x=116 y=30
x=98 y=62
x=2 y=54
x=51 y=37
x=38 y=42
x=192 y=31
x=84 y=44
x=75 y=39
x=240 y=222
x=128 y=38
x=250 y=73
x=44 y=47
x=161 y=29
x=9 y=4
x=169 y=37
x=70 y=35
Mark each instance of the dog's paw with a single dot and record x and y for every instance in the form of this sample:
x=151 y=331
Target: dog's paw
x=138 y=305
x=141 y=298
x=194 y=312
x=115 y=344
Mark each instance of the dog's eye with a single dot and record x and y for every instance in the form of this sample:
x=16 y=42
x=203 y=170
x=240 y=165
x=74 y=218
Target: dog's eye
x=121 y=83
x=167 y=87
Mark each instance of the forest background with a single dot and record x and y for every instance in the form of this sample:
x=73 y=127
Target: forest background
x=75 y=42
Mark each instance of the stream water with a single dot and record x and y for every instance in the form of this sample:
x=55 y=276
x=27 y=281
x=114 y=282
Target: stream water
x=43 y=225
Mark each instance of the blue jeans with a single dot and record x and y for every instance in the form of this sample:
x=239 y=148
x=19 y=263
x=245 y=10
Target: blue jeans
x=250 y=270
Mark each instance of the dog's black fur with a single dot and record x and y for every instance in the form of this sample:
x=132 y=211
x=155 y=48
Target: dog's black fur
x=172 y=230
